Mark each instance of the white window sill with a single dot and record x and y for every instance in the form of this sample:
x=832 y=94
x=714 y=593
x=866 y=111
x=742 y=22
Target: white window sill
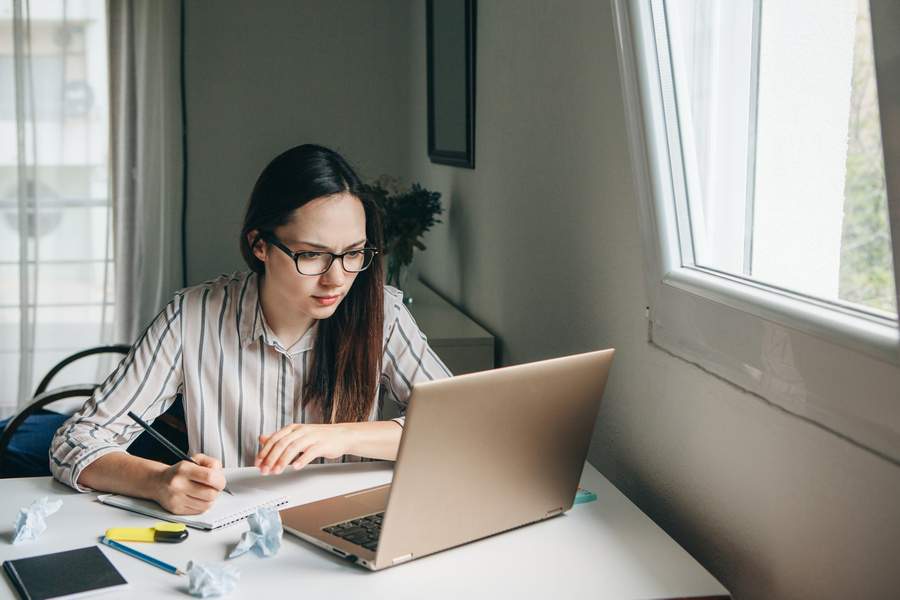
x=818 y=368
x=874 y=335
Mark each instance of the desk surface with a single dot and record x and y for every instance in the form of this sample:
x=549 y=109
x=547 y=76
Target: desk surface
x=602 y=549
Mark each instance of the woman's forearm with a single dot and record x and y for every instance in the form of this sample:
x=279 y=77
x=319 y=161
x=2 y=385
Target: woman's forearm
x=374 y=439
x=299 y=444
x=185 y=488
x=122 y=473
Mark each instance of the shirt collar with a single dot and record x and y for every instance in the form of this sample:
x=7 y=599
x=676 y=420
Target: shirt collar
x=253 y=324
x=250 y=327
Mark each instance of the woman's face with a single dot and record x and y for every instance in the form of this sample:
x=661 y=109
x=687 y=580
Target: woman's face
x=334 y=223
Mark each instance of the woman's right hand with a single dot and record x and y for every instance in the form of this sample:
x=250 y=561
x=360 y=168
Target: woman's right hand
x=189 y=489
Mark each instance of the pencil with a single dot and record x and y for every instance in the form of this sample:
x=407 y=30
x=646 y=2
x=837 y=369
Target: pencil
x=169 y=445
x=141 y=556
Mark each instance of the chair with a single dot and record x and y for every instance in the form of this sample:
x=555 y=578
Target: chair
x=26 y=437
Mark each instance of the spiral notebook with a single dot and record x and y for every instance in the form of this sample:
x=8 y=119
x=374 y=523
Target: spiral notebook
x=227 y=510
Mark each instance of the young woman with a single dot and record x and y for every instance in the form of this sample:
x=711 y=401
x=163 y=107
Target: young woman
x=288 y=363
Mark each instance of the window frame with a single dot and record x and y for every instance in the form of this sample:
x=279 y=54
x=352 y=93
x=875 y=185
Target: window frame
x=780 y=345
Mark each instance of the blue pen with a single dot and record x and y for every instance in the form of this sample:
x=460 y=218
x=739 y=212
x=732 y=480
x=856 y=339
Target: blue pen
x=140 y=555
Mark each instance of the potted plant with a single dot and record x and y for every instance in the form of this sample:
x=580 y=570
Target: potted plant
x=407 y=213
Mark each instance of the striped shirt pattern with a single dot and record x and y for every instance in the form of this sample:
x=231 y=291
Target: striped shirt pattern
x=212 y=344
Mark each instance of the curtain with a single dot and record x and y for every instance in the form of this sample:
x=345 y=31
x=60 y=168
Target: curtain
x=55 y=218
x=146 y=118
x=90 y=182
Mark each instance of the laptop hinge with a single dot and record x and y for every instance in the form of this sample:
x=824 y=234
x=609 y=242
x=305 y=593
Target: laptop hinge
x=401 y=559
x=553 y=513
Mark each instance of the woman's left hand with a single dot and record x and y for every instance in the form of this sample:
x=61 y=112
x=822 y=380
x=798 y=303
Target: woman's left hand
x=297 y=445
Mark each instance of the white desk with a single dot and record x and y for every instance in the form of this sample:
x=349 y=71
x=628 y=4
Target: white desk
x=603 y=549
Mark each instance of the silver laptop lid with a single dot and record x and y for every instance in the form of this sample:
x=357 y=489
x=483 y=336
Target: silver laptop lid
x=489 y=451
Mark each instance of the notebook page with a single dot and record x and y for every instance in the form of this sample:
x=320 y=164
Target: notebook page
x=226 y=510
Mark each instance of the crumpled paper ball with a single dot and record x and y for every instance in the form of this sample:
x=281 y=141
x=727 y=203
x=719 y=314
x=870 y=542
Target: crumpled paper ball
x=206 y=581
x=264 y=537
x=31 y=521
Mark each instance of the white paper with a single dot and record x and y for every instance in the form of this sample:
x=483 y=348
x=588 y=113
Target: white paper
x=227 y=510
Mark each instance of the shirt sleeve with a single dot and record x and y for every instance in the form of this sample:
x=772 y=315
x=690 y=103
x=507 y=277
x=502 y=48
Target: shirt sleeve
x=145 y=382
x=408 y=359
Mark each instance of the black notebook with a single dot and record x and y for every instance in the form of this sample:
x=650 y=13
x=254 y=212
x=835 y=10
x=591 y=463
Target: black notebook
x=69 y=574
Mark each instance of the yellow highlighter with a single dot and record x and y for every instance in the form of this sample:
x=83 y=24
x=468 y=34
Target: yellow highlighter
x=160 y=532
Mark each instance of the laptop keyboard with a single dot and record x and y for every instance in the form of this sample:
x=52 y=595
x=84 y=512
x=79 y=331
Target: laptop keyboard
x=362 y=532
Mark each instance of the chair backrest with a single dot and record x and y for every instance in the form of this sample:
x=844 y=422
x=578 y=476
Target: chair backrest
x=42 y=397
x=113 y=349
x=170 y=423
x=37 y=403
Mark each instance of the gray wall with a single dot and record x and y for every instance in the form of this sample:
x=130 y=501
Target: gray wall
x=541 y=245
x=265 y=76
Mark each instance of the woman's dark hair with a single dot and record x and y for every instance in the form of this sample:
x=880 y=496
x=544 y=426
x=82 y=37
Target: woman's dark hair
x=346 y=361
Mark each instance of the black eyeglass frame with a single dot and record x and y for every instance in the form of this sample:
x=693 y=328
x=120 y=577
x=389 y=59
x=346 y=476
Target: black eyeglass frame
x=270 y=237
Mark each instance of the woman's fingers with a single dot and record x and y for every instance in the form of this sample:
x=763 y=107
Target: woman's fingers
x=190 y=488
x=310 y=454
x=202 y=493
x=272 y=441
x=279 y=450
x=191 y=506
x=201 y=497
x=197 y=474
x=206 y=461
x=284 y=446
x=290 y=452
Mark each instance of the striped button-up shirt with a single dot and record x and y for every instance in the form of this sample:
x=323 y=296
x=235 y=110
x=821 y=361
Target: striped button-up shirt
x=211 y=343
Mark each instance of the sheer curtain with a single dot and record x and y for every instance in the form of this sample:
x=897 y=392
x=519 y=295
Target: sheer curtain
x=55 y=246
x=145 y=85
x=90 y=215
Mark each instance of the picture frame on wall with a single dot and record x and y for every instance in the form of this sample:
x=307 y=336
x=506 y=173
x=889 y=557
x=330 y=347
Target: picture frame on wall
x=450 y=32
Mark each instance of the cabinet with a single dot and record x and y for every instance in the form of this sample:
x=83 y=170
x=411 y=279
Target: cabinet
x=463 y=345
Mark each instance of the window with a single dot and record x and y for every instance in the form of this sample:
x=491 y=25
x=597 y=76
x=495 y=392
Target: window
x=757 y=145
x=55 y=214
x=781 y=145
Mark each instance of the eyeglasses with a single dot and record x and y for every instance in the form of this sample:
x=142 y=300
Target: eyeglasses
x=317 y=263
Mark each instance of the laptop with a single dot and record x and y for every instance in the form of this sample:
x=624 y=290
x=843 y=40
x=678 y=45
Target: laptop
x=481 y=454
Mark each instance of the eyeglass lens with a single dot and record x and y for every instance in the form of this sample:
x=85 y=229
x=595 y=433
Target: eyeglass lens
x=316 y=263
